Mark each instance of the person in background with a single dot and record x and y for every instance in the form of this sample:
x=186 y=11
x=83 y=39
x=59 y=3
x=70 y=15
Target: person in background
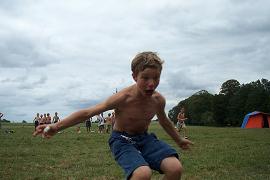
x=108 y=123
x=44 y=119
x=1 y=115
x=36 y=121
x=41 y=120
x=88 y=124
x=181 y=122
x=56 y=117
x=101 y=123
x=113 y=119
x=48 y=119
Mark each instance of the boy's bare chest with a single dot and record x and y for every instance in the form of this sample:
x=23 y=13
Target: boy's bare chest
x=140 y=109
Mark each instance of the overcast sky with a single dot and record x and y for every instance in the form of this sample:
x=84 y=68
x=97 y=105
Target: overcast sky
x=67 y=55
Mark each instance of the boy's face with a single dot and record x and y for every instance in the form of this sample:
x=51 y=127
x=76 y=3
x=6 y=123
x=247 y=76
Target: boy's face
x=147 y=80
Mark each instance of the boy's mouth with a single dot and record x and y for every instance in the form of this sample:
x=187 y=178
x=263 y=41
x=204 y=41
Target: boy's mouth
x=149 y=92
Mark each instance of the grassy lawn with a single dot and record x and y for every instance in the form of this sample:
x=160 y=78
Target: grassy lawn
x=218 y=153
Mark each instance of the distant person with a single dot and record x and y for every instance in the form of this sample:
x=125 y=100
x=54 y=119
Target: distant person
x=41 y=120
x=88 y=124
x=56 y=117
x=135 y=149
x=101 y=123
x=44 y=119
x=1 y=115
x=48 y=119
x=108 y=123
x=7 y=130
x=36 y=121
x=113 y=119
x=181 y=122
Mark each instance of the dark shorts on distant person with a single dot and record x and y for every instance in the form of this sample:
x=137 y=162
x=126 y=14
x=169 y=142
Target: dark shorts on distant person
x=133 y=151
x=88 y=124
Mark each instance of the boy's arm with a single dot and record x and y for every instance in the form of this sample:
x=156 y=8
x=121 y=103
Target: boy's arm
x=168 y=127
x=78 y=116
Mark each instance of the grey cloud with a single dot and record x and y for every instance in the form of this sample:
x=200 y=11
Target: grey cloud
x=180 y=80
x=23 y=52
x=9 y=5
x=42 y=80
x=14 y=80
x=24 y=82
x=41 y=101
x=80 y=104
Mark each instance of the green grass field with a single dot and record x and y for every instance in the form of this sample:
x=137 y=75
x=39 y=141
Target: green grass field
x=218 y=153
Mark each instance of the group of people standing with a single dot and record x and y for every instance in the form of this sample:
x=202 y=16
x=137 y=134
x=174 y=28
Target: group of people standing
x=105 y=124
x=45 y=119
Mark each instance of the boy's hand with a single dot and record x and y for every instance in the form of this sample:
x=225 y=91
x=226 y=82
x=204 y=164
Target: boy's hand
x=45 y=130
x=185 y=144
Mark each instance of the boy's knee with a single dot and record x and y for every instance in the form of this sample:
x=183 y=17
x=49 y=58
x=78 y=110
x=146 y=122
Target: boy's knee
x=142 y=173
x=172 y=167
x=176 y=169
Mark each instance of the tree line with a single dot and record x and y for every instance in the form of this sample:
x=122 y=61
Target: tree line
x=228 y=107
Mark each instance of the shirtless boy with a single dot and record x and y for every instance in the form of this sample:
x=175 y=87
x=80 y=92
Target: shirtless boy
x=135 y=150
x=42 y=120
x=56 y=117
x=48 y=119
x=181 y=122
x=108 y=123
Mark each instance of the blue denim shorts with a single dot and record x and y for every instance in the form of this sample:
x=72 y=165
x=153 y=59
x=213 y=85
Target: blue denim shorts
x=133 y=151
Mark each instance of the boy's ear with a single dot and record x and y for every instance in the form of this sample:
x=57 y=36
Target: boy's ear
x=134 y=77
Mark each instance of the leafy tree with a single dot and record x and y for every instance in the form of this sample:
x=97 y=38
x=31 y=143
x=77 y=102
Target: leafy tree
x=208 y=118
x=220 y=110
x=266 y=85
x=198 y=104
x=258 y=97
x=228 y=107
x=230 y=87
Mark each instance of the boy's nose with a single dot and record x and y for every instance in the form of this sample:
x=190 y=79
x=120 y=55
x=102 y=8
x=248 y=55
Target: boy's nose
x=151 y=86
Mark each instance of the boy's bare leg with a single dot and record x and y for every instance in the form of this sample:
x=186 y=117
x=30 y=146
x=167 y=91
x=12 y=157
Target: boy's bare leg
x=172 y=168
x=142 y=173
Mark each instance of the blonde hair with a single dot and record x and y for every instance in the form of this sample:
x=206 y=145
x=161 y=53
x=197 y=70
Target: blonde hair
x=145 y=60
